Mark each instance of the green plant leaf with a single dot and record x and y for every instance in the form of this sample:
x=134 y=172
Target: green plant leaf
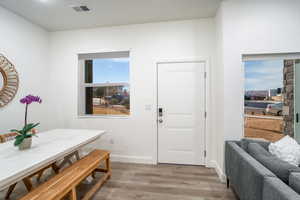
x=16 y=131
x=28 y=127
x=19 y=136
x=19 y=140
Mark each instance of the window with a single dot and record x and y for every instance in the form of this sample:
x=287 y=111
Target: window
x=104 y=84
x=265 y=99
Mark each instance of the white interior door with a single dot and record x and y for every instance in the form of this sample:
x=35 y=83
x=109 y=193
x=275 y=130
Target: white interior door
x=181 y=113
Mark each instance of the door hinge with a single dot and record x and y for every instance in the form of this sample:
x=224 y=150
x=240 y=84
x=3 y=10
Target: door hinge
x=205 y=114
x=204 y=153
x=205 y=74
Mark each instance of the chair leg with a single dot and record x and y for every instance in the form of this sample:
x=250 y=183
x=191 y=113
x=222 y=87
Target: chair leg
x=10 y=190
x=227 y=182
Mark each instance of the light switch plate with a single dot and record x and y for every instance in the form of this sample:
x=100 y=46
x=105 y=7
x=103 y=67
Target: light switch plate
x=148 y=107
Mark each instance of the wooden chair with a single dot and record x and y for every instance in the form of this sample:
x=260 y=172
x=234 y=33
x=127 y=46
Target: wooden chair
x=7 y=137
x=64 y=184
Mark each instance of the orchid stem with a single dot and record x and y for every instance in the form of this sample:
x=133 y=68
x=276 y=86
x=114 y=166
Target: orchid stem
x=26 y=108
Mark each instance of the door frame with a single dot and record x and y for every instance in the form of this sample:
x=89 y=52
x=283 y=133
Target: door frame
x=207 y=128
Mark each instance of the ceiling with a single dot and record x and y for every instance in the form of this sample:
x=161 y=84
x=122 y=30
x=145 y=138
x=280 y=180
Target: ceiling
x=55 y=15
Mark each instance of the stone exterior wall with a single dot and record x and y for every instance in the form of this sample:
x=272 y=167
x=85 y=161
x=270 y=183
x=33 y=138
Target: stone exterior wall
x=288 y=97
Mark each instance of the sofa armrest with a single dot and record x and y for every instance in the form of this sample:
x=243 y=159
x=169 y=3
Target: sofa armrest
x=275 y=189
x=233 y=156
x=246 y=174
x=246 y=141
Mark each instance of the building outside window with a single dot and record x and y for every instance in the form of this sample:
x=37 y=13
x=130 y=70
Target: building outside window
x=264 y=99
x=104 y=87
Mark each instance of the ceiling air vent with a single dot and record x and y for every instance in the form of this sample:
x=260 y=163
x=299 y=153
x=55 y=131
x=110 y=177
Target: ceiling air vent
x=81 y=8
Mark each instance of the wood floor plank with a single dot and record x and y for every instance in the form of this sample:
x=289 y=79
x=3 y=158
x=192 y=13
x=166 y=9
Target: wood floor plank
x=154 y=182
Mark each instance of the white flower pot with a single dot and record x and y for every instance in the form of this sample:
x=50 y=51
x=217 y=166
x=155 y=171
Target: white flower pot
x=26 y=144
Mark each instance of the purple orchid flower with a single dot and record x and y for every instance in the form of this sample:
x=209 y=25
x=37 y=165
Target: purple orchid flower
x=28 y=100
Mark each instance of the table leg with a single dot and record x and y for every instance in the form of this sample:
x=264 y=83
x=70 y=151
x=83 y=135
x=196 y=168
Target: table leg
x=28 y=184
x=67 y=159
x=55 y=168
x=27 y=180
x=40 y=174
x=77 y=155
x=10 y=190
x=93 y=175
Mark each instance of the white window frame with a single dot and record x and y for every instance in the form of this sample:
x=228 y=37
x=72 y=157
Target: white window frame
x=82 y=85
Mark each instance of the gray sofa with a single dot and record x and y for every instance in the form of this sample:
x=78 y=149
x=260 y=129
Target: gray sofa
x=255 y=174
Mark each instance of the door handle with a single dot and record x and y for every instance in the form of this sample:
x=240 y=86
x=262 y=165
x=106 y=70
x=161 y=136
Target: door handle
x=160 y=112
x=297 y=117
x=160 y=115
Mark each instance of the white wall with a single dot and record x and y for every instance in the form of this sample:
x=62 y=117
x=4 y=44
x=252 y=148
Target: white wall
x=26 y=46
x=218 y=90
x=133 y=138
x=251 y=27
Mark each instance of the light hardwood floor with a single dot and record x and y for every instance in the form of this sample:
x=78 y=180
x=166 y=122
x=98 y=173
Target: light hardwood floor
x=155 y=182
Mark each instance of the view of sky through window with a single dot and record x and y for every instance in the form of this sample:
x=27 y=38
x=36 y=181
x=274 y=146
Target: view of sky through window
x=263 y=99
x=263 y=74
x=112 y=70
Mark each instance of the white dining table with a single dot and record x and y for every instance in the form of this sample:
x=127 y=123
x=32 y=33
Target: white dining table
x=47 y=148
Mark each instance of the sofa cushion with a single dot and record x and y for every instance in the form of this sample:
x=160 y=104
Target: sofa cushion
x=294 y=181
x=286 y=149
x=246 y=141
x=279 y=167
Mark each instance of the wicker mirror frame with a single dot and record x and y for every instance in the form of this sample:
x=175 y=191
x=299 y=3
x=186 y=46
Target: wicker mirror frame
x=4 y=79
x=10 y=81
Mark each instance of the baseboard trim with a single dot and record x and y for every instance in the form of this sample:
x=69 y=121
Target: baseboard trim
x=210 y=164
x=132 y=159
x=149 y=160
x=218 y=169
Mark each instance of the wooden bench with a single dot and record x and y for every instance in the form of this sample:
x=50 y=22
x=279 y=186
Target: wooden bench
x=64 y=184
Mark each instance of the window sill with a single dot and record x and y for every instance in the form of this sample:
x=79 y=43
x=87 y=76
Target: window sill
x=103 y=117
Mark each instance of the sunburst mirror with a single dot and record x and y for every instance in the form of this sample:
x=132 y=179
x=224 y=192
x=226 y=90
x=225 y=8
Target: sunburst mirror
x=9 y=81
